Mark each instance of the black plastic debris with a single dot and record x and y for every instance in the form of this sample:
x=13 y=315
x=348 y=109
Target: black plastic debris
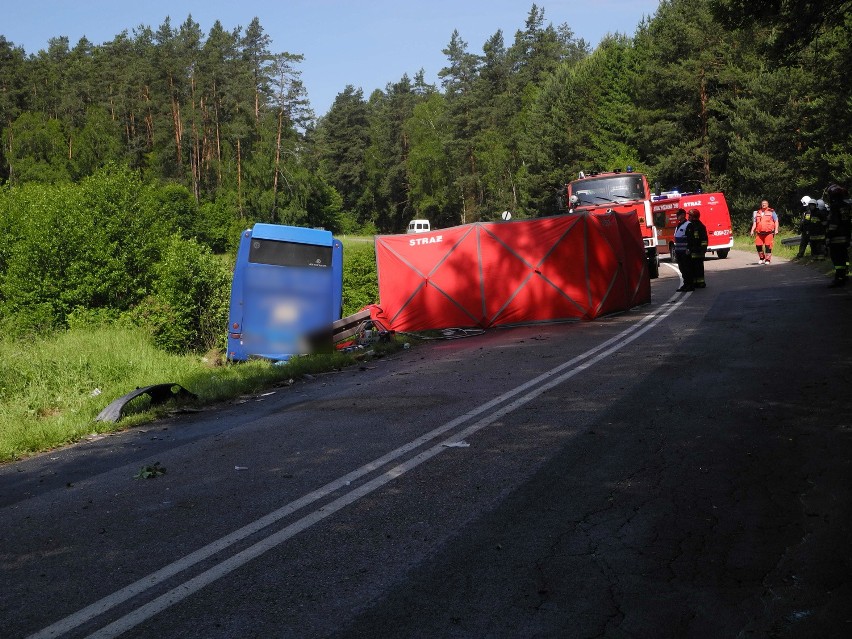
x=159 y=394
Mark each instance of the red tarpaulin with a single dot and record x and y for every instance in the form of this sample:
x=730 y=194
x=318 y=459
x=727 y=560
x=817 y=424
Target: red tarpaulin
x=501 y=273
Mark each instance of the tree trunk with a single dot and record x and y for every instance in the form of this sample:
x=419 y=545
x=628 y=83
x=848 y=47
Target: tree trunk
x=218 y=138
x=195 y=155
x=277 y=165
x=9 y=154
x=705 y=134
x=149 y=118
x=239 y=180
x=514 y=189
x=177 y=123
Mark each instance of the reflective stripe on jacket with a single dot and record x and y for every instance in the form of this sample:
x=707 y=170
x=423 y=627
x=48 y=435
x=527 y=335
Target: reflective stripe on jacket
x=698 y=244
x=681 y=238
x=764 y=221
x=814 y=224
x=839 y=224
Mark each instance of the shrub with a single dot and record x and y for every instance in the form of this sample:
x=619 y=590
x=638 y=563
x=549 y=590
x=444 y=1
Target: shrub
x=89 y=246
x=188 y=310
x=359 y=276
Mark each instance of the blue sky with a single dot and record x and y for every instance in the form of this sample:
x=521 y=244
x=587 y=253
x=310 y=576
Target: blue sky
x=365 y=43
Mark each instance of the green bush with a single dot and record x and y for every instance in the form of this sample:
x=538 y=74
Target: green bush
x=88 y=254
x=91 y=246
x=30 y=321
x=188 y=309
x=360 y=286
x=218 y=226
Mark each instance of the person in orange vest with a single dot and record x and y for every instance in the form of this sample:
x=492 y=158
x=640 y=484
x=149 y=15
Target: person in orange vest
x=764 y=226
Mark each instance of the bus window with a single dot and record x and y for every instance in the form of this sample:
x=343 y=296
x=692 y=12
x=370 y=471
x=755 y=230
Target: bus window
x=279 y=253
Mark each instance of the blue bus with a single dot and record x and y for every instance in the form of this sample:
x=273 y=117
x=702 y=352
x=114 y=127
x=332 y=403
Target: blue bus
x=287 y=288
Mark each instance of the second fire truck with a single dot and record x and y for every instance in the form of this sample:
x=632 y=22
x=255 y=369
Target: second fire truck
x=622 y=192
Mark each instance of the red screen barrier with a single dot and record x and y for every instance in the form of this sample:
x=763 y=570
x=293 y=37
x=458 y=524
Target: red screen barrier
x=503 y=273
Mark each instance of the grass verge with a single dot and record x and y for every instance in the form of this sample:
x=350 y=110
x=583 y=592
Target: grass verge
x=788 y=252
x=52 y=388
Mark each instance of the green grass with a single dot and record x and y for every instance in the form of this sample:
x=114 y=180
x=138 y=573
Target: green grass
x=746 y=243
x=52 y=388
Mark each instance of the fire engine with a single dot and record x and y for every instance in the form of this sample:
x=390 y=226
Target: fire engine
x=714 y=215
x=621 y=192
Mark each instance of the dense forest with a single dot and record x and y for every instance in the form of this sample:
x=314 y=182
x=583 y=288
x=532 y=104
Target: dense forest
x=127 y=168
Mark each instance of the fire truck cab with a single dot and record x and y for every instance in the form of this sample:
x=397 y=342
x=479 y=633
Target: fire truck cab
x=714 y=215
x=621 y=192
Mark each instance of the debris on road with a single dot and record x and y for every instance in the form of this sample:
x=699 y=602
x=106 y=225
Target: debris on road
x=460 y=444
x=149 y=472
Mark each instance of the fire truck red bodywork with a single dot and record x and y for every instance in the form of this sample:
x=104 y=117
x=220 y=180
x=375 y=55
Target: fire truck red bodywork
x=621 y=192
x=714 y=215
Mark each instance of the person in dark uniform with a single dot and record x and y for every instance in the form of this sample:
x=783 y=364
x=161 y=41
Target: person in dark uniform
x=805 y=237
x=683 y=237
x=812 y=228
x=697 y=248
x=816 y=228
x=838 y=231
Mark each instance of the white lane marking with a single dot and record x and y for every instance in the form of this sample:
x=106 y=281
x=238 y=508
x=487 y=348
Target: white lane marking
x=177 y=594
x=676 y=270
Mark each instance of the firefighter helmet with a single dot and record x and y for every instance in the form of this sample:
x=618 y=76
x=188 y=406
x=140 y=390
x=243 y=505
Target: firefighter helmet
x=806 y=200
x=835 y=191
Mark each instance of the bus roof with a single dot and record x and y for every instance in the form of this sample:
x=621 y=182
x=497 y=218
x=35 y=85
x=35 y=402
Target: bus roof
x=317 y=237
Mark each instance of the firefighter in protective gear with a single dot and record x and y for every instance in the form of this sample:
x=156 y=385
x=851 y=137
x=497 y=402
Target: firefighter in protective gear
x=812 y=228
x=839 y=231
x=803 y=227
x=819 y=222
x=697 y=248
x=764 y=226
x=683 y=238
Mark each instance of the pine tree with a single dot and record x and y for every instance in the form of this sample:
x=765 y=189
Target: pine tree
x=342 y=140
x=387 y=194
x=687 y=75
x=434 y=195
x=12 y=101
x=459 y=79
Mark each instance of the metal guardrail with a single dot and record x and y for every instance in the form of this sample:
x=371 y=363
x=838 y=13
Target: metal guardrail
x=346 y=327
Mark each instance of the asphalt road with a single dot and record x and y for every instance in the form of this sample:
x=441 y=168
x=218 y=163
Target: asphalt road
x=681 y=470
